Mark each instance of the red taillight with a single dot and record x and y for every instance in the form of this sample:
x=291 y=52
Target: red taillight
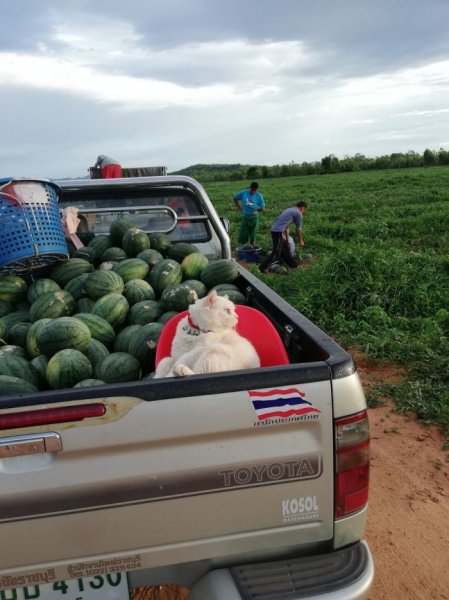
x=46 y=416
x=352 y=464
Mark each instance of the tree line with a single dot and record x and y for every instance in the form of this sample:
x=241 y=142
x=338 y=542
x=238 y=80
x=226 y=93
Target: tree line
x=328 y=164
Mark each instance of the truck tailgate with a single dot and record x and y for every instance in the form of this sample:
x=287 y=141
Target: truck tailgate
x=176 y=479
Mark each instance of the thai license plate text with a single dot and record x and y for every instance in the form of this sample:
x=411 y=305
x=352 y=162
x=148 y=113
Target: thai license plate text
x=113 y=586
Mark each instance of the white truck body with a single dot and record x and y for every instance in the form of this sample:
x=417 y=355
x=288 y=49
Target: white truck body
x=180 y=480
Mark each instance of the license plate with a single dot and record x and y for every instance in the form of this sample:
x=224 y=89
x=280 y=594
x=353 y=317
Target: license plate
x=113 y=586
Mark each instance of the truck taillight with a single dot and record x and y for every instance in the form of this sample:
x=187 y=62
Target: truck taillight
x=352 y=464
x=46 y=416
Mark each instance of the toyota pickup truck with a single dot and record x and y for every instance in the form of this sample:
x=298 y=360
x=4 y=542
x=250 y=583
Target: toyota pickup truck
x=205 y=481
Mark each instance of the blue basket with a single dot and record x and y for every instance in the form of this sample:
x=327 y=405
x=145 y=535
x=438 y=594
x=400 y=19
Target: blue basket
x=31 y=232
x=251 y=255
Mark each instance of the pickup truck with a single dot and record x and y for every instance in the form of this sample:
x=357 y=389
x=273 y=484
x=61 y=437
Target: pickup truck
x=188 y=480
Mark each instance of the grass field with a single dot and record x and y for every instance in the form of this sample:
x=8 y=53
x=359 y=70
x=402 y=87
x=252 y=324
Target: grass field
x=379 y=277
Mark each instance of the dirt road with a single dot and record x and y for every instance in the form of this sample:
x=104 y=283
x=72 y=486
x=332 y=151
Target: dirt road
x=408 y=517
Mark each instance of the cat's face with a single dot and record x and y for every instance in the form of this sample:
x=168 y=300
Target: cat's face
x=214 y=312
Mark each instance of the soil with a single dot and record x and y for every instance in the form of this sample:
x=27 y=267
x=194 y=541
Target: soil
x=408 y=514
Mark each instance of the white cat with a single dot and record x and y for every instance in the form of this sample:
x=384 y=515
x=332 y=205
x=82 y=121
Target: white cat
x=206 y=341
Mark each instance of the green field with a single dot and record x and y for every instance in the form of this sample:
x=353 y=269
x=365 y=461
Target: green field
x=379 y=276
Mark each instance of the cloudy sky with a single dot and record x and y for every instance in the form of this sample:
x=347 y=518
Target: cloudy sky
x=179 y=82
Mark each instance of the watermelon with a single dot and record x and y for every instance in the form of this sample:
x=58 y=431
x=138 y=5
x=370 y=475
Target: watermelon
x=180 y=250
x=76 y=286
x=107 y=265
x=118 y=228
x=165 y=273
x=89 y=382
x=146 y=311
x=118 y=367
x=101 y=282
x=134 y=241
x=218 y=271
x=137 y=290
x=66 y=368
x=160 y=242
x=95 y=352
x=113 y=254
x=3 y=330
x=14 y=350
x=17 y=335
x=193 y=264
x=178 y=297
x=39 y=363
x=278 y=269
x=61 y=333
x=6 y=307
x=99 y=328
x=10 y=385
x=225 y=286
x=31 y=341
x=151 y=257
x=123 y=339
x=41 y=286
x=165 y=318
x=100 y=243
x=132 y=268
x=12 y=288
x=12 y=319
x=88 y=253
x=52 y=305
x=84 y=305
x=143 y=345
x=68 y=269
x=234 y=296
x=113 y=308
x=16 y=366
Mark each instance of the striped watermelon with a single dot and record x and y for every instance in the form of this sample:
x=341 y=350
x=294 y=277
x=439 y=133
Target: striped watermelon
x=193 y=264
x=113 y=308
x=12 y=288
x=62 y=333
x=66 y=368
x=165 y=273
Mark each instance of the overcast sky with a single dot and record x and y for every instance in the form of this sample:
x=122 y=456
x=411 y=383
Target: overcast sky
x=179 y=82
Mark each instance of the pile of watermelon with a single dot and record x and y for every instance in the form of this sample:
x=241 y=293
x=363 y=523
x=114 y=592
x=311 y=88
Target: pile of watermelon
x=96 y=317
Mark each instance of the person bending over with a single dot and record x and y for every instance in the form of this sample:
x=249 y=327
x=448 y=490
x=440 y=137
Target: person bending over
x=279 y=235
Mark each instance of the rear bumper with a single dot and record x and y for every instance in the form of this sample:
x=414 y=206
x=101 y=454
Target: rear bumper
x=346 y=574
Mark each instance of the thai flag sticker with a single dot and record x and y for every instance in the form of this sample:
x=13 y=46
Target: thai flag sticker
x=281 y=403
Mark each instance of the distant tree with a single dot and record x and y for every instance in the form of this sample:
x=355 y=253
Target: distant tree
x=428 y=158
x=330 y=164
x=265 y=172
x=443 y=157
x=252 y=172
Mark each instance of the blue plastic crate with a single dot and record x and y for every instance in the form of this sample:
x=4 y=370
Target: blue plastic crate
x=251 y=255
x=31 y=231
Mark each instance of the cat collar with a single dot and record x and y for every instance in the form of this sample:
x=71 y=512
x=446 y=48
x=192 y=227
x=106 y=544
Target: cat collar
x=194 y=329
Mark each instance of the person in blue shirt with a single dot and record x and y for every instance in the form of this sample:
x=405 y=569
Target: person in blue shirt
x=280 y=252
x=251 y=203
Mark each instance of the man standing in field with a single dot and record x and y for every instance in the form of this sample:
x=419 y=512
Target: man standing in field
x=250 y=202
x=279 y=235
x=110 y=168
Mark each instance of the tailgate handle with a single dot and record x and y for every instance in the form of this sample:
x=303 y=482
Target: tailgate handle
x=29 y=443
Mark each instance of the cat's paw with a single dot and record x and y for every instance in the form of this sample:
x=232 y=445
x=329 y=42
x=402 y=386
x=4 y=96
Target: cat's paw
x=182 y=371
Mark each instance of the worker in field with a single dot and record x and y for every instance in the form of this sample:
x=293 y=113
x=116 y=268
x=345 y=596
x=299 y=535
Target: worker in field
x=251 y=203
x=280 y=252
x=110 y=168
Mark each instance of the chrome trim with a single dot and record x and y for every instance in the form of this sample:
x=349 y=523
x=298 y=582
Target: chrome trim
x=29 y=443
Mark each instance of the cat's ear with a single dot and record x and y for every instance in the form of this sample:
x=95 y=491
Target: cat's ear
x=211 y=298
